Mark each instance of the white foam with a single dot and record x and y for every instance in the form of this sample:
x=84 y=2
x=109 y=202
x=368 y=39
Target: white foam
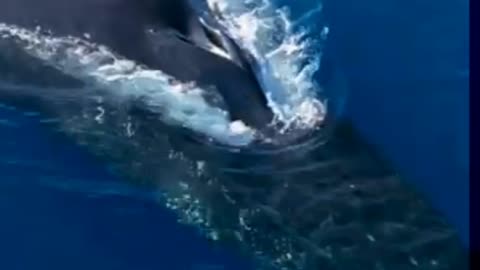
x=288 y=56
x=180 y=104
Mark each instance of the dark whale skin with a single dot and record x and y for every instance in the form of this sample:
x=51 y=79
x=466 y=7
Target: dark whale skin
x=160 y=34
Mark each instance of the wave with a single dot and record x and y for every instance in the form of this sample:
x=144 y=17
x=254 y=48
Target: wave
x=289 y=55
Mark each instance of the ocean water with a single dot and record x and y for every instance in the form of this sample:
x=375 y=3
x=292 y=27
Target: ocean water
x=101 y=186
x=62 y=210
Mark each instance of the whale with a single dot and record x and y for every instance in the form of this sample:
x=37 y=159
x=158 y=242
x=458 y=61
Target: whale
x=329 y=203
x=164 y=35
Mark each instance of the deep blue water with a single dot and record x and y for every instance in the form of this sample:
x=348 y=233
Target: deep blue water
x=408 y=69
x=47 y=225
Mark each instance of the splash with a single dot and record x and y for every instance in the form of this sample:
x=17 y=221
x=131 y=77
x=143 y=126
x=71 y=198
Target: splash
x=177 y=103
x=288 y=56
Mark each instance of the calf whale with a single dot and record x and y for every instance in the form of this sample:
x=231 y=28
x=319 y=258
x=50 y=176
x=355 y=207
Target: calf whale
x=166 y=35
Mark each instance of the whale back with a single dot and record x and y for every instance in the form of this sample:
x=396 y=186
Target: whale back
x=160 y=34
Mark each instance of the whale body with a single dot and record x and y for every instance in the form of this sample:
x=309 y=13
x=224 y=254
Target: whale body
x=330 y=203
x=166 y=35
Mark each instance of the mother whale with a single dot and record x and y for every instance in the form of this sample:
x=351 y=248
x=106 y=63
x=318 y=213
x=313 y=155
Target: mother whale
x=161 y=34
x=324 y=209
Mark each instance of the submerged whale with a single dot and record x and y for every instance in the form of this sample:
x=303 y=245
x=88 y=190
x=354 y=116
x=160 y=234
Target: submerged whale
x=167 y=35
